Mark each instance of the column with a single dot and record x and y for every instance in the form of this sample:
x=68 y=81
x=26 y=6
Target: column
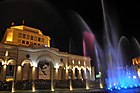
x=37 y=73
x=87 y=80
x=33 y=72
x=89 y=72
x=14 y=78
x=67 y=76
x=3 y=75
x=56 y=73
x=33 y=78
x=73 y=73
x=52 y=77
x=92 y=73
x=19 y=73
x=59 y=73
x=79 y=74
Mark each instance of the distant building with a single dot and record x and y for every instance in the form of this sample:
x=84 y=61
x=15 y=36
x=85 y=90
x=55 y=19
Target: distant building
x=136 y=63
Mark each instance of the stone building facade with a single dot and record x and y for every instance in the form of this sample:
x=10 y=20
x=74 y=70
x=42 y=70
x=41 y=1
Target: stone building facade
x=21 y=60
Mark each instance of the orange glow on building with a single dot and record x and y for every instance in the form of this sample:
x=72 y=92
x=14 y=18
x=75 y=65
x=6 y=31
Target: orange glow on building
x=136 y=61
x=25 y=54
x=9 y=36
x=24 y=35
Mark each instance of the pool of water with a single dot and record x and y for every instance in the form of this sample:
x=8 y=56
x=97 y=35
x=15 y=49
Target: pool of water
x=131 y=90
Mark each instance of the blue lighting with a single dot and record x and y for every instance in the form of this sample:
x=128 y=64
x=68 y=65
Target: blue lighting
x=121 y=79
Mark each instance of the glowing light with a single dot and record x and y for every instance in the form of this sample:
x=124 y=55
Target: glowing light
x=6 y=54
x=71 y=85
x=34 y=64
x=56 y=66
x=79 y=62
x=84 y=63
x=26 y=61
x=9 y=36
x=101 y=85
x=2 y=61
x=138 y=72
x=119 y=88
x=33 y=87
x=13 y=87
x=125 y=87
x=88 y=42
x=52 y=89
x=134 y=77
x=19 y=68
x=72 y=61
x=87 y=84
x=33 y=69
x=46 y=45
x=11 y=61
x=4 y=66
x=9 y=79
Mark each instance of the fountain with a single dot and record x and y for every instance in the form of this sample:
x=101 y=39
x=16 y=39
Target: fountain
x=114 y=60
x=120 y=72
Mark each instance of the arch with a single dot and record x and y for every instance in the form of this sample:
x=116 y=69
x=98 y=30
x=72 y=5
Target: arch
x=49 y=60
x=11 y=62
x=87 y=73
x=82 y=73
x=2 y=61
x=45 y=57
x=76 y=73
x=61 y=64
x=27 y=61
x=26 y=69
x=45 y=64
x=11 y=65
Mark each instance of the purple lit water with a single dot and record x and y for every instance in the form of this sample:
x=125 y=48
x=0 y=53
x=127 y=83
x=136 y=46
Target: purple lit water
x=113 y=59
x=119 y=74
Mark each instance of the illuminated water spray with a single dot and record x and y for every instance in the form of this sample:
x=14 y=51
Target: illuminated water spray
x=112 y=58
x=119 y=74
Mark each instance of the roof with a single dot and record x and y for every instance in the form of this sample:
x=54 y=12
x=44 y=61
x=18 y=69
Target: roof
x=22 y=27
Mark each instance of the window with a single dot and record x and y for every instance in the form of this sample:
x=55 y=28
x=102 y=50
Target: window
x=28 y=36
x=27 y=42
x=23 y=42
x=31 y=43
x=10 y=70
x=19 y=35
x=43 y=40
x=19 y=41
x=39 y=39
x=32 y=38
x=35 y=38
x=24 y=35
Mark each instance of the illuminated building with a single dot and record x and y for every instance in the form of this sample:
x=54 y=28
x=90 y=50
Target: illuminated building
x=24 y=35
x=136 y=62
x=25 y=54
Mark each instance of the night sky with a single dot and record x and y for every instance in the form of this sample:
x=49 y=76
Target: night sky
x=54 y=18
